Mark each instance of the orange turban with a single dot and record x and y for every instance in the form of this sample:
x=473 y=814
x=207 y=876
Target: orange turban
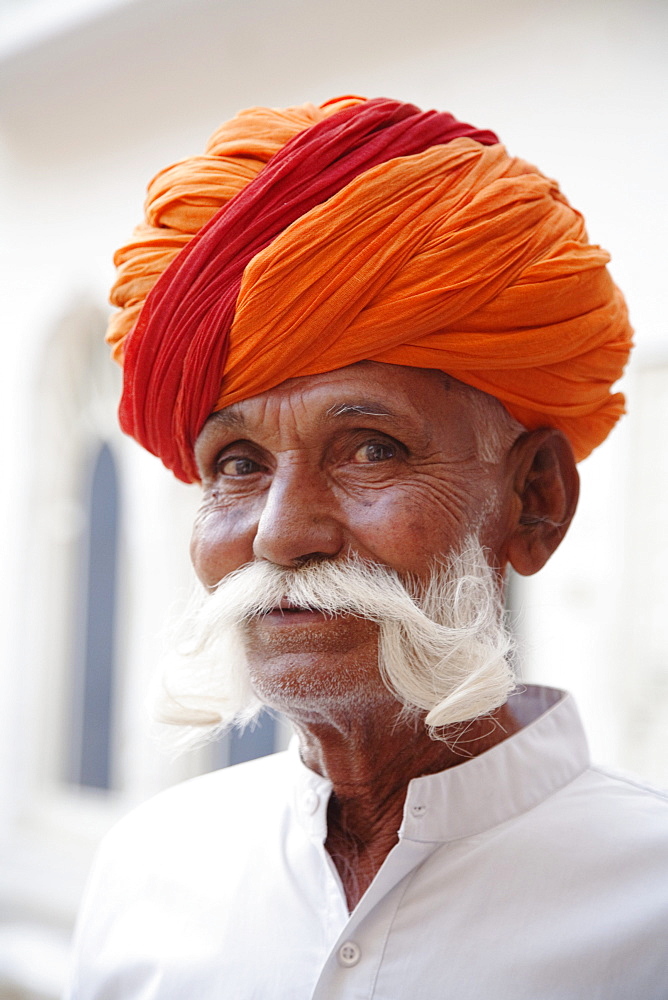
x=311 y=238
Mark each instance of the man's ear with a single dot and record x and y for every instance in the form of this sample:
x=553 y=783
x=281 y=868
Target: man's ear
x=547 y=486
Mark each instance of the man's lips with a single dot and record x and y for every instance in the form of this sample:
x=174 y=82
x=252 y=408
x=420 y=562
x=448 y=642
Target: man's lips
x=287 y=610
x=287 y=613
x=288 y=627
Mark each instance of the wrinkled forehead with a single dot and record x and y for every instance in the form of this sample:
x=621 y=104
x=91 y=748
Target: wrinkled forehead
x=423 y=400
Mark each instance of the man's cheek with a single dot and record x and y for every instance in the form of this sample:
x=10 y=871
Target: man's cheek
x=220 y=543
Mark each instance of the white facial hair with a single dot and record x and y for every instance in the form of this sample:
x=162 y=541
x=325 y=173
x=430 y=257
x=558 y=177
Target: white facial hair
x=444 y=649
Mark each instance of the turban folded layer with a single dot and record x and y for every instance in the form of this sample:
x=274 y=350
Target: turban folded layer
x=311 y=238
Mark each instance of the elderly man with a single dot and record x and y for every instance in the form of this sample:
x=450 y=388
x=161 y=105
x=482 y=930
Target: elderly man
x=380 y=343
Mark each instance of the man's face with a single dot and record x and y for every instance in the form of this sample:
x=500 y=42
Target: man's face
x=375 y=461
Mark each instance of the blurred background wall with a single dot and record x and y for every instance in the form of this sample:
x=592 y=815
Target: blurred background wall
x=95 y=97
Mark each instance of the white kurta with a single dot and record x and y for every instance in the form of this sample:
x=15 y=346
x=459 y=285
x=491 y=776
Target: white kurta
x=521 y=874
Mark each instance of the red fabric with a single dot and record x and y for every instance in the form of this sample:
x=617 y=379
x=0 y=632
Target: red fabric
x=175 y=355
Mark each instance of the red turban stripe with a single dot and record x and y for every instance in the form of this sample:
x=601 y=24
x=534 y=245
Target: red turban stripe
x=176 y=353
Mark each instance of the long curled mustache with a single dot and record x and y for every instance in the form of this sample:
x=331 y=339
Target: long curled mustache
x=443 y=647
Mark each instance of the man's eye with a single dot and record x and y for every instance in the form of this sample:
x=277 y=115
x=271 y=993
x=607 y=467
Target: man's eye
x=237 y=467
x=375 y=451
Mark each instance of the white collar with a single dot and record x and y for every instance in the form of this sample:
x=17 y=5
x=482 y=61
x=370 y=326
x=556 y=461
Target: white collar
x=481 y=792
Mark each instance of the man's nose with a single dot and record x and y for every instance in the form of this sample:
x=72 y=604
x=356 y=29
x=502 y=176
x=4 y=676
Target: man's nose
x=299 y=520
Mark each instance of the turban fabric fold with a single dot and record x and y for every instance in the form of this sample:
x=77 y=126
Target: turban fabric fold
x=311 y=238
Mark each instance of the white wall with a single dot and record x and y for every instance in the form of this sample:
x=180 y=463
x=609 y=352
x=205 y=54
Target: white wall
x=95 y=98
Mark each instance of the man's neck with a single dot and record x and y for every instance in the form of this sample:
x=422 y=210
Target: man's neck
x=370 y=767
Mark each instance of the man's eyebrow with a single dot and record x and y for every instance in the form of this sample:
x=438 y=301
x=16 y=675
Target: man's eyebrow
x=359 y=410
x=233 y=418
x=229 y=417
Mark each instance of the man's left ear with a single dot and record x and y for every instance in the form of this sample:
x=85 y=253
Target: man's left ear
x=547 y=486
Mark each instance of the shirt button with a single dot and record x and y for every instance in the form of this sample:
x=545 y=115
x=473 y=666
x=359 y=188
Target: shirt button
x=310 y=802
x=349 y=953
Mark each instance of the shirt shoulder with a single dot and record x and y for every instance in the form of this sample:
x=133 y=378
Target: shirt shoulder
x=228 y=805
x=602 y=808
x=620 y=798
x=624 y=811
x=169 y=879
x=606 y=835
x=629 y=784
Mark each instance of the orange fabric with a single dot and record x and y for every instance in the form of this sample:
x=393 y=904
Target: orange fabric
x=461 y=259
x=176 y=354
x=458 y=258
x=184 y=196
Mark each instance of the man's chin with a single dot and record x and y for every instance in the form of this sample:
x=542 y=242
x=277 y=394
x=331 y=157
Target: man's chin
x=314 y=662
x=306 y=631
x=310 y=686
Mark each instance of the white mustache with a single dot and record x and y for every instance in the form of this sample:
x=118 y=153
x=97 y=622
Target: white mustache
x=366 y=590
x=443 y=646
